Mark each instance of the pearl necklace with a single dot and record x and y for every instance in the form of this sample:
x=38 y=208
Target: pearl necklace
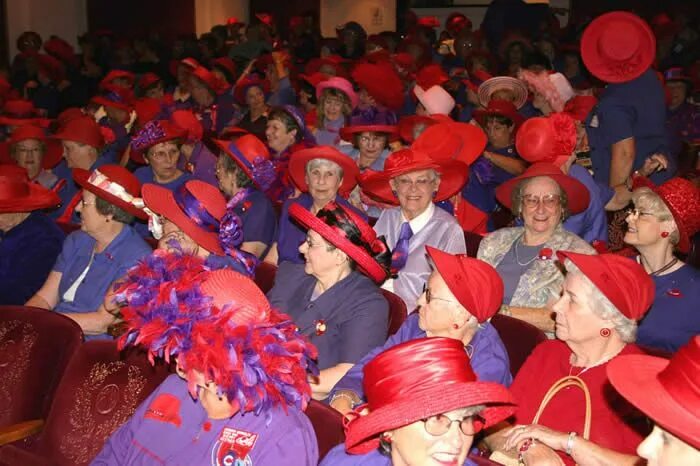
x=600 y=362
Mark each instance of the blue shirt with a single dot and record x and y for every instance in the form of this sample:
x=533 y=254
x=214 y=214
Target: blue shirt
x=27 y=253
x=201 y=165
x=592 y=223
x=353 y=310
x=635 y=109
x=71 y=188
x=258 y=217
x=674 y=318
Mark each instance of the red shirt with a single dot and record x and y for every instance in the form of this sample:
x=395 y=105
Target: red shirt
x=615 y=424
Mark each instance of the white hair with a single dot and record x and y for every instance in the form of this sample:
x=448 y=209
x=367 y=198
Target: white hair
x=313 y=164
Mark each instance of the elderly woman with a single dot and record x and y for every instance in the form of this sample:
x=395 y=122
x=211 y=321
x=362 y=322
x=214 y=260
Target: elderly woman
x=664 y=219
x=157 y=145
x=460 y=297
x=30 y=240
x=245 y=174
x=652 y=385
x=413 y=181
x=416 y=391
x=336 y=101
x=602 y=299
x=104 y=248
x=323 y=174
x=333 y=296
x=31 y=150
x=250 y=92
x=543 y=197
x=213 y=107
x=244 y=406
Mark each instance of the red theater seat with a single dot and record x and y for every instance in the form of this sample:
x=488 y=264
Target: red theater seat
x=328 y=426
x=519 y=337
x=265 y=276
x=397 y=312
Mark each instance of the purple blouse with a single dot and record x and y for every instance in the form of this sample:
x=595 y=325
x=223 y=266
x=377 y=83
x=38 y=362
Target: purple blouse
x=202 y=165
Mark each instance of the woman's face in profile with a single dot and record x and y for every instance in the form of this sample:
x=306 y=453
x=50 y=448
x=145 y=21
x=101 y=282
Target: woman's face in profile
x=661 y=448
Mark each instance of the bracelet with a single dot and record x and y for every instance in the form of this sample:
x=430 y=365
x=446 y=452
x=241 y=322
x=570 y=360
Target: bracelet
x=343 y=395
x=570 y=443
x=505 y=310
x=523 y=449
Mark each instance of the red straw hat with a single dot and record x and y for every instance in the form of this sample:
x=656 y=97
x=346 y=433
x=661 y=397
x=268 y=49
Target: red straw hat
x=462 y=142
x=666 y=391
x=54 y=151
x=21 y=112
x=453 y=175
x=617 y=47
x=550 y=139
x=682 y=198
x=499 y=83
x=83 y=130
x=106 y=83
x=116 y=97
x=299 y=159
x=502 y=108
x=18 y=194
x=624 y=282
x=116 y=185
x=364 y=254
x=193 y=196
x=154 y=132
x=418 y=379
x=381 y=82
x=340 y=84
x=576 y=192
x=476 y=285
x=253 y=157
x=212 y=81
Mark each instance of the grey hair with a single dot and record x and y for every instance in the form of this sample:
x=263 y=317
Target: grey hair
x=313 y=164
x=603 y=308
x=647 y=200
x=519 y=192
x=118 y=214
x=435 y=173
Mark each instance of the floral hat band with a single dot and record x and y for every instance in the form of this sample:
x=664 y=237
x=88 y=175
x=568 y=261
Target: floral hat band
x=104 y=183
x=262 y=169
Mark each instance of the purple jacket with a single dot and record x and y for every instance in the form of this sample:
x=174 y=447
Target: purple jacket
x=171 y=428
x=489 y=358
x=338 y=457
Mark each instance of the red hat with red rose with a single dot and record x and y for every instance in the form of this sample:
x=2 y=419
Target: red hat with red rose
x=550 y=139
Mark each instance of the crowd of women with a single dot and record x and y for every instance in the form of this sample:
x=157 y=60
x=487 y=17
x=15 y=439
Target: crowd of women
x=543 y=175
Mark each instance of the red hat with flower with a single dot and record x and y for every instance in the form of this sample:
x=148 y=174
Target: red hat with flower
x=550 y=139
x=116 y=185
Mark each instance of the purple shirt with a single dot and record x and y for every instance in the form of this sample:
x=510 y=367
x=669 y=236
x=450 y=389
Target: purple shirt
x=71 y=188
x=171 y=428
x=258 y=217
x=202 y=165
x=338 y=457
x=489 y=358
x=353 y=310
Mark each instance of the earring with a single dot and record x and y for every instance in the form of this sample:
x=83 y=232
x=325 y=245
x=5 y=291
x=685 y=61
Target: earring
x=664 y=234
x=386 y=437
x=455 y=326
x=605 y=332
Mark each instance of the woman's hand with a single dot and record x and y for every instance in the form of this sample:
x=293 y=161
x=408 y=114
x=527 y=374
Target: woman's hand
x=553 y=439
x=541 y=455
x=653 y=164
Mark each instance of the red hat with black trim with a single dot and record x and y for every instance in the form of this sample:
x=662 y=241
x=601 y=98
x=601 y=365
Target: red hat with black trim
x=154 y=132
x=623 y=281
x=19 y=194
x=82 y=129
x=418 y=379
x=54 y=151
x=116 y=185
x=299 y=159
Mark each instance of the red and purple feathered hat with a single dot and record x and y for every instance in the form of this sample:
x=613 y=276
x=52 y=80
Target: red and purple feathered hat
x=174 y=306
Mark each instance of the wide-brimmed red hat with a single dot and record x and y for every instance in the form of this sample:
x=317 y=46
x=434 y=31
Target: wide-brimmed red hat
x=313 y=79
x=189 y=123
x=341 y=84
x=498 y=83
x=149 y=80
x=362 y=255
x=476 y=284
x=18 y=194
x=618 y=46
x=666 y=391
x=106 y=83
x=84 y=130
x=116 y=97
x=576 y=192
x=253 y=157
x=21 y=112
x=154 y=132
x=682 y=198
x=147 y=109
x=623 y=281
x=381 y=82
x=241 y=88
x=502 y=108
x=550 y=139
x=299 y=159
x=453 y=175
x=376 y=122
x=54 y=151
x=116 y=185
x=462 y=142
x=192 y=199
x=412 y=124
x=61 y=49
x=212 y=81
x=417 y=379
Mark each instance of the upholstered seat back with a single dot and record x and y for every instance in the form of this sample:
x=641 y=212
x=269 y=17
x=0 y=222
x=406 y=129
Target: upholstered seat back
x=328 y=426
x=519 y=338
x=397 y=311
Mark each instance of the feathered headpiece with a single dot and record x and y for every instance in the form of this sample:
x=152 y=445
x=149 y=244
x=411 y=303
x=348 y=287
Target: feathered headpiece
x=174 y=306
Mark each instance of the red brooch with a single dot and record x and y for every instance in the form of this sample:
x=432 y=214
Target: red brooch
x=189 y=167
x=545 y=254
x=321 y=327
x=247 y=205
x=675 y=292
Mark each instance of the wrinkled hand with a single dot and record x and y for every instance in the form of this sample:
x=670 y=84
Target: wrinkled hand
x=653 y=164
x=541 y=455
x=551 y=438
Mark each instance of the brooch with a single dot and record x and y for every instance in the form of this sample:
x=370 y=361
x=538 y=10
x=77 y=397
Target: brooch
x=675 y=292
x=545 y=254
x=321 y=327
x=247 y=205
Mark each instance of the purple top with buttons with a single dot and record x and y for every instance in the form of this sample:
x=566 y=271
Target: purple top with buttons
x=169 y=427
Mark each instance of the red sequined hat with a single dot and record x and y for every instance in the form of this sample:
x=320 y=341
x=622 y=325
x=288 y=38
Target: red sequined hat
x=682 y=198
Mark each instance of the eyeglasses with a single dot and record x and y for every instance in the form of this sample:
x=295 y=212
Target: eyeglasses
x=440 y=424
x=421 y=183
x=83 y=203
x=638 y=213
x=311 y=244
x=25 y=150
x=429 y=295
x=372 y=139
x=550 y=201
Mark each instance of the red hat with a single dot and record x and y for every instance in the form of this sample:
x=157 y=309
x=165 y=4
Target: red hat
x=381 y=82
x=212 y=81
x=431 y=75
x=363 y=255
x=502 y=108
x=83 y=130
x=18 y=194
x=188 y=121
x=241 y=88
x=61 y=49
x=314 y=79
x=154 y=132
x=682 y=198
x=576 y=192
x=498 y=83
x=476 y=284
x=67 y=115
x=550 y=139
x=54 y=151
x=299 y=159
x=21 y=112
x=411 y=125
x=429 y=21
x=177 y=206
x=453 y=175
x=341 y=84
x=580 y=106
x=666 y=391
x=106 y=83
x=418 y=379
x=148 y=80
x=147 y=109
x=225 y=64
x=253 y=157
x=232 y=132
x=51 y=67
x=617 y=47
x=116 y=185
x=462 y=142
x=456 y=21
x=624 y=282
x=117 y=97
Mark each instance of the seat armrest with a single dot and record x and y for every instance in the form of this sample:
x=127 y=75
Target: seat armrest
x=20 y=430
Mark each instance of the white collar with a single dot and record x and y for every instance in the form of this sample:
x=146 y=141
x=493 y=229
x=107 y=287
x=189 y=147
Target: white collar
x=418 y=223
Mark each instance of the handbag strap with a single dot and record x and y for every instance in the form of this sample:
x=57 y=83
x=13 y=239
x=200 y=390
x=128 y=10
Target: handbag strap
x=564 y=382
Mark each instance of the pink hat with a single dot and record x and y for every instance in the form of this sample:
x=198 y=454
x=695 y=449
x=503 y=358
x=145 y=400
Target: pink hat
x=342 y=85
x=436 y=100
x=554 y=87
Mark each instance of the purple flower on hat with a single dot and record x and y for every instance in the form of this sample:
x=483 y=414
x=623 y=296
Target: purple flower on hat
x=152 y=131
x=264 y=173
